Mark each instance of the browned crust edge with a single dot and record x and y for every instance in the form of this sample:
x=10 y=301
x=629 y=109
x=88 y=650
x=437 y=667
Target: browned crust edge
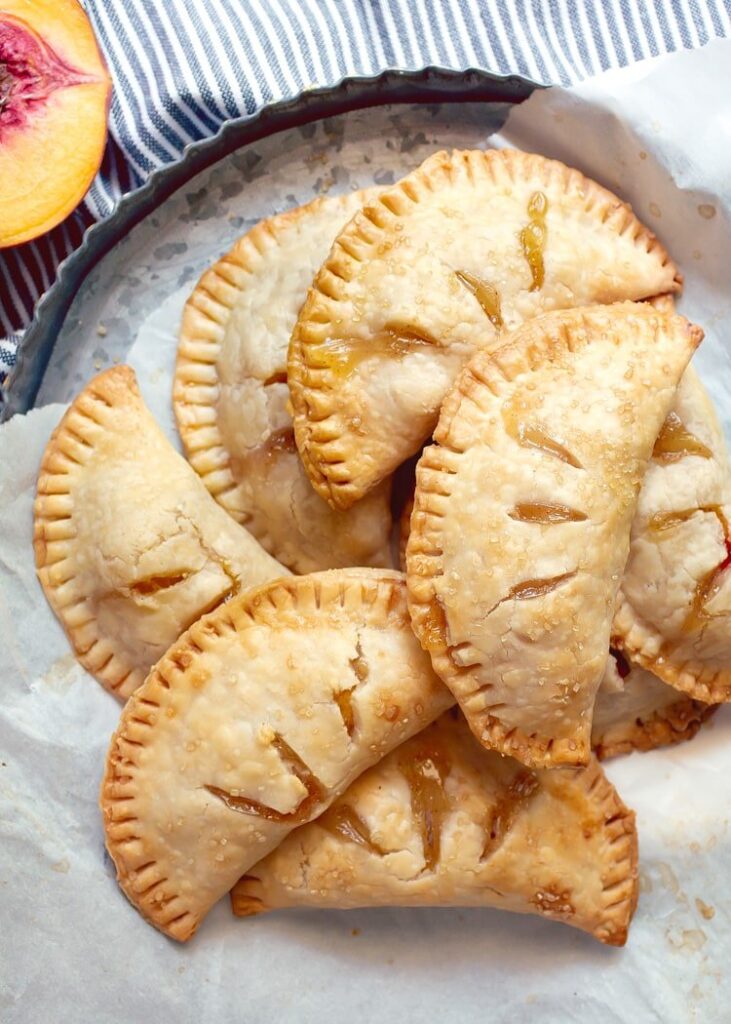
x=699 y=681
x=620 y=885
x=404 y=529
x=69 y=448
x=664 y=728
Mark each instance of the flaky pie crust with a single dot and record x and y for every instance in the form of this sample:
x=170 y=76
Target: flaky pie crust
x=638 y=711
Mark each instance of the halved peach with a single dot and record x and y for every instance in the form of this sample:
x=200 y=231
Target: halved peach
x=54 y=99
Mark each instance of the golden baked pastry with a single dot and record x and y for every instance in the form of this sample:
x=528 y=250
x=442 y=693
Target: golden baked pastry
x=443 y=822
x=635 y=710
x=430 y=271
x=674 y=605
x=130 y=548
x=522 y=516
x=251 y=724
x=668 y=577
x=230 y=394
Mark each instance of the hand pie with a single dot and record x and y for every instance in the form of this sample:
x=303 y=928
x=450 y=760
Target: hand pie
x=635 y=710
x=665 y=543
x=522 y=517
x=443 y=822
x=231 y=394
x=251 y=724
x=433 y=269
x=130 y=548
x=674 y=605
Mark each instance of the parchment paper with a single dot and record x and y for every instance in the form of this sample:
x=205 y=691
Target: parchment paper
x=73 y=951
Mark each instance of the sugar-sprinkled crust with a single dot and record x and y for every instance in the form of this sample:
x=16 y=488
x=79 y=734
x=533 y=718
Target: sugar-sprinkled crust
x=522 y=516
x=674 y=605
x=441 y=821
x=230 y=393
x=129 y=546
x=251 y=724
x=429 y=272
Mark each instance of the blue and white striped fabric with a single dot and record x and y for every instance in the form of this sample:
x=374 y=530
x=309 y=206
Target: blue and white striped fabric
x=181 y=67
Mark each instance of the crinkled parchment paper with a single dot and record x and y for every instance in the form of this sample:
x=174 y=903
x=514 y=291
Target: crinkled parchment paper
x=72 y=950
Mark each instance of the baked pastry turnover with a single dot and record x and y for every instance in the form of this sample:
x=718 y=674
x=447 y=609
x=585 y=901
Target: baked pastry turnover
x=130 y=547
x=251 y=724
x=671 y=605
x=431 y=270
x=635 y=710
x=441 y=821
x=522 y=517
x=674 y=605
x=230 y=394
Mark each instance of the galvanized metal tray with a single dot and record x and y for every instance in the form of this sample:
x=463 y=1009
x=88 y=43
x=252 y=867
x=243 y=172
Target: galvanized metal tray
x=360 y=131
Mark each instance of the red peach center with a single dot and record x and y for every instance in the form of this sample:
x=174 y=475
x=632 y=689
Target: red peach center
x=30 y=70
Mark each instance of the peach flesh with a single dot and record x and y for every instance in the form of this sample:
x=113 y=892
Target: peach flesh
x=54 y=100
x=30 y=70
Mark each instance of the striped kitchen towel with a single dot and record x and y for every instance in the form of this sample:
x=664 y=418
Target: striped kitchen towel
x=182 y=67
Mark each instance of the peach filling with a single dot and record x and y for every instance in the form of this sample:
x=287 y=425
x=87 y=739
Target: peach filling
x=433 y=628
x=533 y=239
x=674 y=442
x=538 y=588
x=505 y=810
x=486 y=294
x=663 y=521
x=533 y=437
x=344 y=821
x=305 y=809
x=425 y=773
x=707 y=589
x=344 y=701
x=343 y=355
x=264 y=456
x=538 y=512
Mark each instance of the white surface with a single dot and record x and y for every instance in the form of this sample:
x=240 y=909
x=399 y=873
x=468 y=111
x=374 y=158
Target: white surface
x=73 y=951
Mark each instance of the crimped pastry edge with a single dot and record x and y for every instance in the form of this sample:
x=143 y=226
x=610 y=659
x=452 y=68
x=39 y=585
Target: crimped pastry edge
x=65 y=454
x=664 y=728
x=699 y=681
